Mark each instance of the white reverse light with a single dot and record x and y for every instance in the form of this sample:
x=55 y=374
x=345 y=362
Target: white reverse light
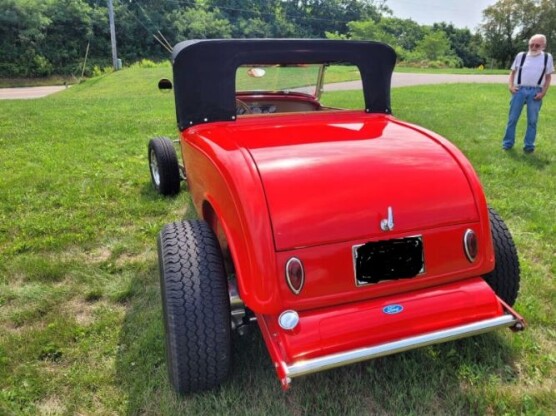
x=288 y=320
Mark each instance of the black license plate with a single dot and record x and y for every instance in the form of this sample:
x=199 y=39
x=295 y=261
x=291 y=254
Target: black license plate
x=388 y=260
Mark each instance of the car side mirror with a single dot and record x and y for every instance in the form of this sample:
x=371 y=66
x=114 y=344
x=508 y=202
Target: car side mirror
x=164 y=84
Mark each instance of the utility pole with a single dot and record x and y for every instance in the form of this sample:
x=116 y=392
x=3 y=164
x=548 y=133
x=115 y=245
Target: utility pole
x=113 y=35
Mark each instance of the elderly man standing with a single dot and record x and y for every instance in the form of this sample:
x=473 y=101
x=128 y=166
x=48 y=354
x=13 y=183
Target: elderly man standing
x=529 y=82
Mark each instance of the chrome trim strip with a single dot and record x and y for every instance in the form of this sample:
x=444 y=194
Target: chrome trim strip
x=350 y=357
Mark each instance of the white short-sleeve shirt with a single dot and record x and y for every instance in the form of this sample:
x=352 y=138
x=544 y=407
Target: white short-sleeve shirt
x=532 y=69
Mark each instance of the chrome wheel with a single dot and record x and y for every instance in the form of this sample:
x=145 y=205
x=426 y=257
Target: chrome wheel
x=154 y=168
x=163 y=166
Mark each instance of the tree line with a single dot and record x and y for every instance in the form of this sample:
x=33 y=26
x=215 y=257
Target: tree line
x=44 y=37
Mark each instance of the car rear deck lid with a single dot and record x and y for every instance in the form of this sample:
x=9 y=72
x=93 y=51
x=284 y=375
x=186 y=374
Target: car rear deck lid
x=345 y=188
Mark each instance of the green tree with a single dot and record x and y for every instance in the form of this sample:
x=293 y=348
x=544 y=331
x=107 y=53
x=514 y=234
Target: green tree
x=22 y=33
x=402 y=34
x=248 y=18
x=505 y=26
x=40 y=37
x=466 y=45
x=405 y=33
x=544 y=22
x=138 y=22
x=370 y=30
x=436 y=46
x=67 y=35
x=255 y=28
x=198 y=23
x=282 y=26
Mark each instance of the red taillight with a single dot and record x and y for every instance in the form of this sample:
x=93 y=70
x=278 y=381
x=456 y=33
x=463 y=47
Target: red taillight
x=295 y=276
x=471 y=245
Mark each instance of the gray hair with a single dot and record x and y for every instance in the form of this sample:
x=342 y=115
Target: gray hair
x=539 y=37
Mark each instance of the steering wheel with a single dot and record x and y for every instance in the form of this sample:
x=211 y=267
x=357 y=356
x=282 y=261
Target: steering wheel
x=242 y=107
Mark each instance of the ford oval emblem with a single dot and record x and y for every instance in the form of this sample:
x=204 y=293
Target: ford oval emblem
x=392 y=309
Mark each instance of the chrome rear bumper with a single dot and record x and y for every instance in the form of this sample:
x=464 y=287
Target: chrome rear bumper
x=362 y=354
x=287 y=369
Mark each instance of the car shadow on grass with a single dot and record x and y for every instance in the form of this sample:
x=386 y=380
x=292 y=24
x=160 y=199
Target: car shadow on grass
x=148 y=192
x=448 y=378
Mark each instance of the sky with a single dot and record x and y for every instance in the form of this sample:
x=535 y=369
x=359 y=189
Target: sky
x=462 y=13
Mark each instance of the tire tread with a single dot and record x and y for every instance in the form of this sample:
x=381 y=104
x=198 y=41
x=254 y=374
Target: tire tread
x=168 y=166
x=504 y=279
x=196 y=306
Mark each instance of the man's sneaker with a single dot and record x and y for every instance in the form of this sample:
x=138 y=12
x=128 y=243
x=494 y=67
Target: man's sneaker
x=528 y=150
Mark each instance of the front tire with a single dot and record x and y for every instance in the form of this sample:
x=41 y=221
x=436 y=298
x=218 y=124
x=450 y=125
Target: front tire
x=504 y=279
x=163 y=165
x=196 y=306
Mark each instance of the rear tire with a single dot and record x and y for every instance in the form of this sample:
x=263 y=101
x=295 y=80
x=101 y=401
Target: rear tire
x=163 y=165
x=196 y=306
x=504 y=279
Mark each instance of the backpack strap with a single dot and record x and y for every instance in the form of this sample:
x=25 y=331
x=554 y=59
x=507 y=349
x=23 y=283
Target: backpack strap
x=539 y=82
x=523 y=55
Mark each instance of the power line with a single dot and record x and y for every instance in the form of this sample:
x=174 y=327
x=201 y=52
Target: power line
x=186 y=4
x=192 y=4
x=160 y=38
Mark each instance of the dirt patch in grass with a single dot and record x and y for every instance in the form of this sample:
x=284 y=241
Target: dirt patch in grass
x=51 y=405
x=81 y=310
x=98 y=255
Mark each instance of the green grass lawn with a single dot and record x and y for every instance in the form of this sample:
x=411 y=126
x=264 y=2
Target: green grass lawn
x=80 y=315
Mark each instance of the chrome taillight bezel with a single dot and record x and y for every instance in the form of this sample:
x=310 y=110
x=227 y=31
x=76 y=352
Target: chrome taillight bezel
x=470 y=245
x=295 y=261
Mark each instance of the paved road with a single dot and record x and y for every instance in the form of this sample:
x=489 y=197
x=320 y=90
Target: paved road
x=27 y=93
x=403 y=79
x=407 y=79
x=398 y=80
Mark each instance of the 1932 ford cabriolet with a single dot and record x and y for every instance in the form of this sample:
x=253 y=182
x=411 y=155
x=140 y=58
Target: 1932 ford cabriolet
x=344 y=234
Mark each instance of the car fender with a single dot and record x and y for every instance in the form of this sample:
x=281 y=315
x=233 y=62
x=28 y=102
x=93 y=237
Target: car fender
x=472 y=178
x=225 y=177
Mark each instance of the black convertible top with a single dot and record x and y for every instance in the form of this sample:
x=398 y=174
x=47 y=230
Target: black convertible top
x=205 y=71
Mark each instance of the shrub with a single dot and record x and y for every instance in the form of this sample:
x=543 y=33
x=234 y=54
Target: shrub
x=97 y=71
x=147 y=63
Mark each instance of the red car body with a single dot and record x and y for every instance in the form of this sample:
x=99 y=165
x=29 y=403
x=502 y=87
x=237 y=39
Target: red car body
x=327 y=187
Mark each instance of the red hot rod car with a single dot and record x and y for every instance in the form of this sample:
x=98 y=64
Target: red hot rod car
x=344 y=234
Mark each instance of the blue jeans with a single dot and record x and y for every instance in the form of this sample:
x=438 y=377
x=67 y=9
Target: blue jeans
x=523 y=96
